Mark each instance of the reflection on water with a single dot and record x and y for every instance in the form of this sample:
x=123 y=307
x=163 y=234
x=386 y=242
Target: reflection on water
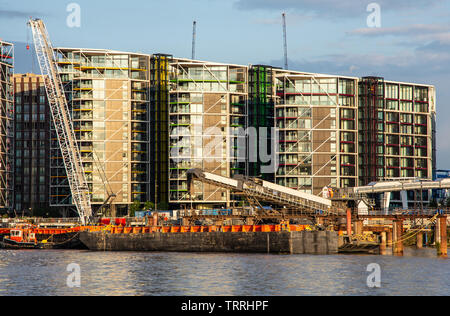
x=43 y=272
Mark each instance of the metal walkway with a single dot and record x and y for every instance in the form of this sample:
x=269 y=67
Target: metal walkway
x=391 y=186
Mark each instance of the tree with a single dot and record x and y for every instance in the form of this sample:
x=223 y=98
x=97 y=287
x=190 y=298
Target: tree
x=135 y=207
x=149 y=206
x=448 y=202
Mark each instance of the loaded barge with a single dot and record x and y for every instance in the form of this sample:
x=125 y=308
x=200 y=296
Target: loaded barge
x=278 y=239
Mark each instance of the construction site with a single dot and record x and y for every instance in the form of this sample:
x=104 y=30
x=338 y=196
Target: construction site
x=355 y=157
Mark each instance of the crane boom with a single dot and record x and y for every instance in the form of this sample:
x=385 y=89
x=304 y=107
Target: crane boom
x=285 y=42
x=194 y=35
x=62 y=120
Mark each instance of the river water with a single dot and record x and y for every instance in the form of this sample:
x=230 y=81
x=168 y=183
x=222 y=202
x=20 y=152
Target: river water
x=44 y=272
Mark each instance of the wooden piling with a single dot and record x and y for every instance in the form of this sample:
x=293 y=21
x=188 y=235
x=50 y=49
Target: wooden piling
x=389 y=238
x=442 y=223
x=383 y=243
x=397 y=236
x=349 y=222
x=419 y=240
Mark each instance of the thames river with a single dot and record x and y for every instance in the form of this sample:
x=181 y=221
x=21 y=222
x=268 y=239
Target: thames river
x=44 y=272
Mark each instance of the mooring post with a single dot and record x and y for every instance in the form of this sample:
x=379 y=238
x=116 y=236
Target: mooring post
x=437 y=233
x=155 y=219
x=419 y=240
x=397 y=234
x=442 y=223
x=383 y=243
x=349 y=222
x=389 y=237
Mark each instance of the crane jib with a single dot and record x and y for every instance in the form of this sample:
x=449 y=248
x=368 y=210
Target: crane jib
x=62 y=120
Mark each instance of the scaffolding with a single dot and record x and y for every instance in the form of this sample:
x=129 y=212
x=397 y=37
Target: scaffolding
x=6 y=125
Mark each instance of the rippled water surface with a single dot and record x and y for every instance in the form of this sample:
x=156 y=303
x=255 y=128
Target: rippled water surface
x=40 y=272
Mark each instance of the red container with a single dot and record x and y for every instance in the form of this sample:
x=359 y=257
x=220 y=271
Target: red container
x=105 y=221
x=121 y=221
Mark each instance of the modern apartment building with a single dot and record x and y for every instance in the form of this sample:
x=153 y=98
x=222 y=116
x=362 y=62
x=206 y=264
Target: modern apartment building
x=316 y=116
x=143 y=120
x=396 y=132
x=6 y=126
x=109 y=96
x=32 y=145
x=207 y=116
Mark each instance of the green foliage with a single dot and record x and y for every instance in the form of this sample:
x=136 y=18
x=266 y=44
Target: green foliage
x=135 y=207
x=149 y=205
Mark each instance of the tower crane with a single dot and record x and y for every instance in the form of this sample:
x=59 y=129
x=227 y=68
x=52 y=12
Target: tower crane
x=62 y=120
x=285 y=42
x=194 y=35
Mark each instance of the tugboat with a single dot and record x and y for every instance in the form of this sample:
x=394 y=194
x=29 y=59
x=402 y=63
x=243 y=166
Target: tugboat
x=20 y=238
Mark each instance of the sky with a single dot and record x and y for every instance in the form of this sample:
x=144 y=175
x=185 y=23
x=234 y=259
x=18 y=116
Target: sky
x=411 y=43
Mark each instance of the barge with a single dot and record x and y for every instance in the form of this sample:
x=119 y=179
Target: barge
x=238 y=239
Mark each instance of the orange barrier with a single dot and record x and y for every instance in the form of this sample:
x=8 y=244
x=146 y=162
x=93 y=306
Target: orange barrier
x=198 y=229
x=166 y=229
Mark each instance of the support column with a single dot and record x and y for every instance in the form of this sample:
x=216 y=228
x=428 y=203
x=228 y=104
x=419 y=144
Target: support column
x=383 y=243
x=358 y=227
x=389 y=237
x=349 y=222
x=386 y=202
x=404 y=196
x=442 y=223
x=397 y=235
x=437 y=233
x=419 y=240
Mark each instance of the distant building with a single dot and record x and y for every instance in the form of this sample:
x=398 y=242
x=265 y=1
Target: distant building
x=441 y=195
x=32 y=145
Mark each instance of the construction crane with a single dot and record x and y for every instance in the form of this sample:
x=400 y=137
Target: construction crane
x=110 y=193
x=194 y=34
x=62 y=120
x=285 y=42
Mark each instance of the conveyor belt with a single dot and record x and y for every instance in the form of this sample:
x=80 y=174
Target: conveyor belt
x=265 y=191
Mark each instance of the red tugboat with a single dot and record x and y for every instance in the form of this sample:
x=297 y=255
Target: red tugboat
x=20 y=238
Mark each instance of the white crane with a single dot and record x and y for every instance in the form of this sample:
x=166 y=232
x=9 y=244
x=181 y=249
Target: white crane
x=62 y=120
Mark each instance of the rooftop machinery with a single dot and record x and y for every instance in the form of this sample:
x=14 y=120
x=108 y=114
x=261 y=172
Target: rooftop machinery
x=62 y=120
